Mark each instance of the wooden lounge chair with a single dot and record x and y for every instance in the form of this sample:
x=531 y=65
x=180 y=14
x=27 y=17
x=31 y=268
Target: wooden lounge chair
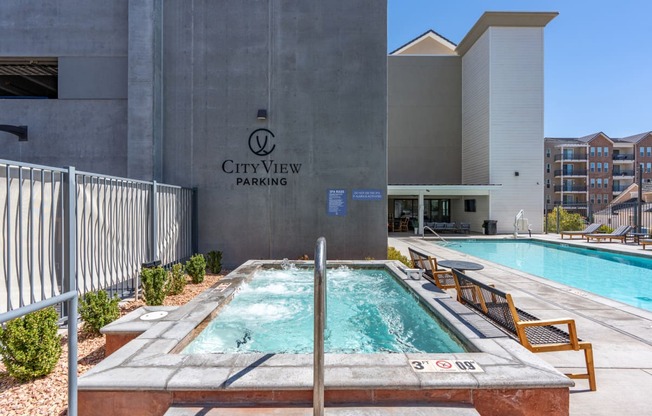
x=537 y=335
x=590 y=229
x=619 y=233
x=442 y=278
x=645 y=242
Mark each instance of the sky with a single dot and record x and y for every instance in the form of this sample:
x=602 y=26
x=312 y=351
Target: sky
x=597 y=62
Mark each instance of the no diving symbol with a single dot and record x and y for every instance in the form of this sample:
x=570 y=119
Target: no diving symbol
x=446 y=365
x=259 y=142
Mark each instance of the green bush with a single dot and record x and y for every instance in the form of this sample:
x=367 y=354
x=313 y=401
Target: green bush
x=176 y=280
x=605 y=229
x=394 y=254
x=214 y=261
x=567 y=221
x=154 y=282
x=196 y=268
x=97 y=309
x=30 y=346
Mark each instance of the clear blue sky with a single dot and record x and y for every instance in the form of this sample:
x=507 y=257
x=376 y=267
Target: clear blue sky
x=598 y=56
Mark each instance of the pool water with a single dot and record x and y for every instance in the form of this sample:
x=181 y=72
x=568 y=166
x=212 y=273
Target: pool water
x=368 y=311
x=621 y=277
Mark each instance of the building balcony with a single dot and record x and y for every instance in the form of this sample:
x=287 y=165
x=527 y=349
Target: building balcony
x=574 y=172
x=620 y=188
x=566 y=188
x=623 y=174
x=571 y=158
x=623 y=158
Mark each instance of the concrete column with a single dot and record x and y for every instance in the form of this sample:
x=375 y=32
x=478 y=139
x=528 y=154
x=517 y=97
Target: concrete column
x=144 y=90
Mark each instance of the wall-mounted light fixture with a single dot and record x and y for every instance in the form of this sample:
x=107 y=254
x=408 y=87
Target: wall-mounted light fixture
x=515 y=173
x=262 y=114
x=20 y=131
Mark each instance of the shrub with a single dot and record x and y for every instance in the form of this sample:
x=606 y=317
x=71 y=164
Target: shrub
x=196 y=268
x=97 y=309
x=176 y=280
x=567 y=221
x=605 y=229
x=394 y=254
x=154 y=281
x=30 y=346
x=214 y=261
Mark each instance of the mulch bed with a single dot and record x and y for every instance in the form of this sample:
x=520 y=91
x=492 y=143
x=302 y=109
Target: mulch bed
x=49 y=395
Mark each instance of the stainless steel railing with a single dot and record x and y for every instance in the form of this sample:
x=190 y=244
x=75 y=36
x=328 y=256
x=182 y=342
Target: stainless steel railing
x=320 y=319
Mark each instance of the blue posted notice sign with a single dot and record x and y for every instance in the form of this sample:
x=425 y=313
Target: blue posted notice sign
x=367 y=194
x=336 y=202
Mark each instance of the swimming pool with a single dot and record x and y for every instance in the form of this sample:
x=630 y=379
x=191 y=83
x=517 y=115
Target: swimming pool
x=621 y=277
x=368 y=312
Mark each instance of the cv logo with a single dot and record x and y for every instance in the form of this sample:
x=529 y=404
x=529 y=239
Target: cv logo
x=260 y=142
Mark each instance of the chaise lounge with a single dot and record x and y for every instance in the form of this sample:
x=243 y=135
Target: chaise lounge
x=442 y=278
x=537 y=335
x=590 y=229
x=619 y=233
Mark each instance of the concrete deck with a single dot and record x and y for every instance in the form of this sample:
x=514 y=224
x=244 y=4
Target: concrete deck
x=621 y=334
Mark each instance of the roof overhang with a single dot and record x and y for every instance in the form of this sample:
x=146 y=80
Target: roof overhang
x=441 y=190
x=503 y=19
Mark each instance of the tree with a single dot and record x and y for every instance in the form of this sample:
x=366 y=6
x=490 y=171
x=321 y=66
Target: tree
x=567 y=221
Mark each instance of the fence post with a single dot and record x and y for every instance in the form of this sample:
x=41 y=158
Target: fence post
x=195 y=222
x=558 y=217
x=69 y=284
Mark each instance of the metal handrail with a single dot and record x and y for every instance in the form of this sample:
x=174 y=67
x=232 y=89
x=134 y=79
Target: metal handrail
x=320 y=318
x=425 y=227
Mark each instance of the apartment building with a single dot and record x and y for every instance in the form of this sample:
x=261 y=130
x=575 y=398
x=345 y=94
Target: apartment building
x=587 y=173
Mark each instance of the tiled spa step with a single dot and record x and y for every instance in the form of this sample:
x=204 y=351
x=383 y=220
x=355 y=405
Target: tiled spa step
x=439 y=410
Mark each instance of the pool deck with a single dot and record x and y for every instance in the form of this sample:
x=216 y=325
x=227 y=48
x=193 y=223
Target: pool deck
x=621 y=335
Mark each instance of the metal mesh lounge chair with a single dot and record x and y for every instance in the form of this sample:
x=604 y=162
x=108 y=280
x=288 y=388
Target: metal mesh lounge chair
x=590 y=229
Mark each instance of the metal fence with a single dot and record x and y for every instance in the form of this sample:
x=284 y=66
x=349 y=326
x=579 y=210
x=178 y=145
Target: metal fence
x=64 y=233
x=120 y=224
x=638 y=216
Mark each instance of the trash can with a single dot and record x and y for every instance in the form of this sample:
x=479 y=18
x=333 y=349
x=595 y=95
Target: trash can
x=489 y=227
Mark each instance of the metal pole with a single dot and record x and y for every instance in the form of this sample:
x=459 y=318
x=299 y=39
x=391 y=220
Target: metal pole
x=639 y=205
x=320 y=317
x=70 y=286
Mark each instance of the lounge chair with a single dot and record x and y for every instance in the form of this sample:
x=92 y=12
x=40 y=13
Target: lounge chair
x=442 y=278
x=590 y=229
x=645 y=242
x=619 y=233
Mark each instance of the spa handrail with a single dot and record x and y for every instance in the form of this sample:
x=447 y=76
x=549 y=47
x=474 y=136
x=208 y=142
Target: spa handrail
x=320 y=318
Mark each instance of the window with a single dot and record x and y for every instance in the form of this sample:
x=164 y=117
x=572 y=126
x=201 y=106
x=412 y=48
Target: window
x=29 y=77
x=599 y=166
x=606 y=183
x=606 y=151
x=606 y=167
x=592 y=167
x=548 y=152
x=592 y=151
x=599 y=200
x=648 y=167
x=547 y=199
x=547 y=183
x=547 y=167
x=469 y=205
x=599 y=183
x=649 y=151
x=641 y=151
x=592 y=199
x=592 y=183
x=599 y=152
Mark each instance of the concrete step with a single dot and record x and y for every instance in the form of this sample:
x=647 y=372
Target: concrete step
x=211 y=410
